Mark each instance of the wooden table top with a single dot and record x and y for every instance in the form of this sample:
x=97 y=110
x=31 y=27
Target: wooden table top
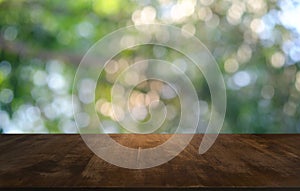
x=234 y=160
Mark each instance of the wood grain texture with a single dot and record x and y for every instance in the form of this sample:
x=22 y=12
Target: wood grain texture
x=234 y=160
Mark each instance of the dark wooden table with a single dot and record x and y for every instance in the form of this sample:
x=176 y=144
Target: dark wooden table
x=59 y=161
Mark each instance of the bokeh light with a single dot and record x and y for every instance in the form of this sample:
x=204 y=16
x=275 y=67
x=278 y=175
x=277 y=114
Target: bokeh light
x=256 y=44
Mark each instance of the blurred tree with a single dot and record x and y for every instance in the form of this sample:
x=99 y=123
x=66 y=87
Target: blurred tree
x=255 y=43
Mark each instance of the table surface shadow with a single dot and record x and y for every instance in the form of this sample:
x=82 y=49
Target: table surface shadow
x=239 y=160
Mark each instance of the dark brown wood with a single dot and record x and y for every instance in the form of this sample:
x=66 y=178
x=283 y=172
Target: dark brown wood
x=234 y=160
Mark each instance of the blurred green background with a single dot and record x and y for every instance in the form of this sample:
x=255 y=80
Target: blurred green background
x=256 y=44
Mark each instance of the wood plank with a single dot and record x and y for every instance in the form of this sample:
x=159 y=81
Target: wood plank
x=234 y=160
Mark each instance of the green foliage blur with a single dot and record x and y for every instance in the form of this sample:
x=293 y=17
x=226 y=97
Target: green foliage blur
x=255 y=43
